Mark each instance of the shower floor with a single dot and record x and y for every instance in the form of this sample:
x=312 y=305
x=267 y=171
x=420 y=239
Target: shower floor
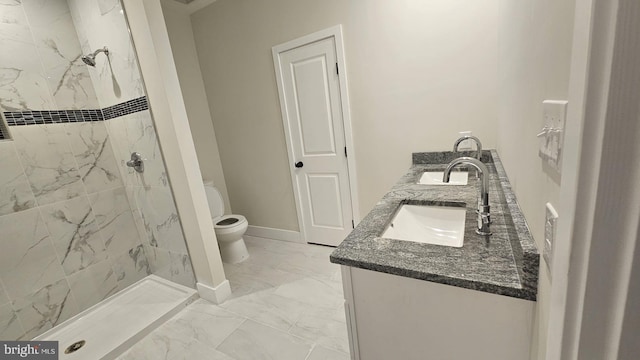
x=112 y=326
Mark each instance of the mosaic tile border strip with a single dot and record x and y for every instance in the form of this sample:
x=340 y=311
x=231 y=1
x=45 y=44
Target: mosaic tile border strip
x=4 y=132
x=126 y=108
x=21 y=118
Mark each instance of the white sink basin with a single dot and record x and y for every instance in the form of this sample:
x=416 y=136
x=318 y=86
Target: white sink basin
x=437 y=225
x=435 y=178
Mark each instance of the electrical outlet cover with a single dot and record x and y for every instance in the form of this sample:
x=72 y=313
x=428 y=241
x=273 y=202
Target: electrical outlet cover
x=550 y=225
x=466 y=145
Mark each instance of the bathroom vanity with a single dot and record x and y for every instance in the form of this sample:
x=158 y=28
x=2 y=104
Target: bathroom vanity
x=407 y=299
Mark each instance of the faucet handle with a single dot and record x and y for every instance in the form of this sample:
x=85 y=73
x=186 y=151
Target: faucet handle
x=483 y=212
x=484 y=220
x=136 y=162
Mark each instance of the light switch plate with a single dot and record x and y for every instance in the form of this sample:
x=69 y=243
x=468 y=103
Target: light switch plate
x=550 y=226
x=467 y=144
x=551 y=138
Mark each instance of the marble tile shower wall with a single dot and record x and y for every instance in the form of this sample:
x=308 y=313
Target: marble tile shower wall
x=39 y=61
x=102 y=23
x=76 y=224
x=67 y=232
x=151 y=199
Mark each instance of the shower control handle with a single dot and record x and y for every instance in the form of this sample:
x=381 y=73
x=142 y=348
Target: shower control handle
x=299 y=164
x=136 y=162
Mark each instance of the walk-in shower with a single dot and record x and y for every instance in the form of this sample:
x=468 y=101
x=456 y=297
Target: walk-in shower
x=90 y=59
x=79 y=230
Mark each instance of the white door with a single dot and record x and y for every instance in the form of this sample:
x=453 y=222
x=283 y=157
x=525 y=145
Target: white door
x=310 y=88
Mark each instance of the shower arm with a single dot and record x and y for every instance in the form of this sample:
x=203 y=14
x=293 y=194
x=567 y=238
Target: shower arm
x=105 y=50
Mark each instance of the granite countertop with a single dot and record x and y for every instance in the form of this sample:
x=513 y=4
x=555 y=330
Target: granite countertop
x=505 y=263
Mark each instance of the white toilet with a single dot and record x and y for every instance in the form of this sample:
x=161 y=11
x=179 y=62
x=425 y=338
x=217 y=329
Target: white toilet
x=229 y=228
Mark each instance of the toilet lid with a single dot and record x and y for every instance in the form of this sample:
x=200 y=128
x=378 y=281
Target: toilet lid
x=216 y=204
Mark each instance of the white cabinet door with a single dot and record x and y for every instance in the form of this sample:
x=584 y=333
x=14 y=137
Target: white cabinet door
x=394 y=317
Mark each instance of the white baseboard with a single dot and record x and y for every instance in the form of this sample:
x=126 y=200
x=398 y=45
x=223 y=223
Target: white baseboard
x=216 y=295
x=275 y=234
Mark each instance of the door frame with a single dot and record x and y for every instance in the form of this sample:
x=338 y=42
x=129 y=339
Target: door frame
x=336 y=33
x=595 y=279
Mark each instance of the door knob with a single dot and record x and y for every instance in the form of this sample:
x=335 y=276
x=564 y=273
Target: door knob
x=299 y=164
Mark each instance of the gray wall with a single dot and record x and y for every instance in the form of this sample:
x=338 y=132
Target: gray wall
x=411 y=84
x=534 y=63
x=185 y=56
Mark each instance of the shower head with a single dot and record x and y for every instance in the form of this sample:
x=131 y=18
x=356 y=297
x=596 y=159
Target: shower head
x=90 y=59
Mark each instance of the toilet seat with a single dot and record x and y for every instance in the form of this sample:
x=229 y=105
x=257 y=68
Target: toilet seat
x=240 y=220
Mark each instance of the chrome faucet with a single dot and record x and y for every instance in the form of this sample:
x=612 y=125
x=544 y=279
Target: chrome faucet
x=484 y=216
x=469 y=137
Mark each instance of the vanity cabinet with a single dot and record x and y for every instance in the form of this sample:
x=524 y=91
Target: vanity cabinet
x=415 y=298
x=391 y=317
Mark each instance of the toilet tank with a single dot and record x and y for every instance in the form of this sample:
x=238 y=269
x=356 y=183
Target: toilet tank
x=214 y=199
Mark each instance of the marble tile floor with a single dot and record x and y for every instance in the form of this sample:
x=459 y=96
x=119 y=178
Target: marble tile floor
x=287 y=304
